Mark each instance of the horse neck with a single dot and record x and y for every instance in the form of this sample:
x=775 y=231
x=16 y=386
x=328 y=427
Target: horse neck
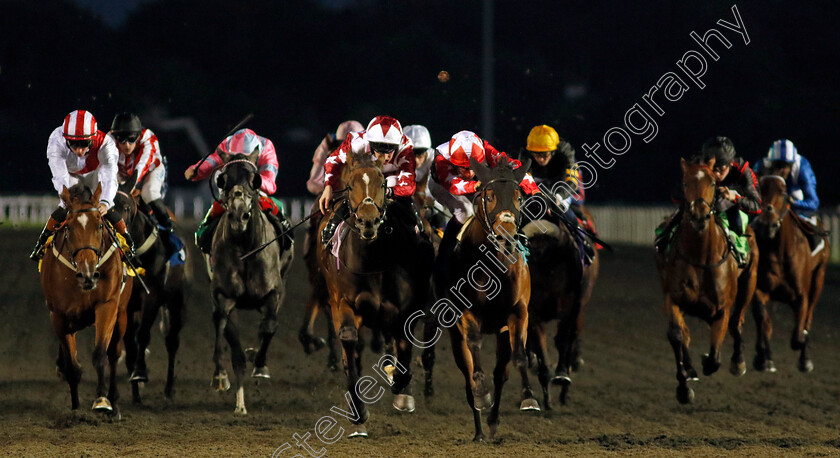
x=477 y=235
x=140 y=227
x=364 y=255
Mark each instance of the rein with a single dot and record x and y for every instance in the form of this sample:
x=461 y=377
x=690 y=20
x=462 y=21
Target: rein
x=71 y=263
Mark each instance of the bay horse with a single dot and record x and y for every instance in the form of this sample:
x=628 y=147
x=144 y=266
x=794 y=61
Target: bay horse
x=496 y=299
x=565 y=290
x=701 y=278
x=256 y=283
x=166 y=294
x=82 y=280
x=788 y=271
x=377 y=278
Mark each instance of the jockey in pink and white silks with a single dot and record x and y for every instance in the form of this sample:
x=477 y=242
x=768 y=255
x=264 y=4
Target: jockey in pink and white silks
x=244 y=142
x=140 y=160
x=80 y=153
x=330 y=143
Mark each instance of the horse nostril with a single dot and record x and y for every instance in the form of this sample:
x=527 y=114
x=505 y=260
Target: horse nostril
x=96 y=275
x=79 y=275
x=376 y=221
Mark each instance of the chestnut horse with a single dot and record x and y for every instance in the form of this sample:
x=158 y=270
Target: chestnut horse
x=788 y=271
x=166 y=292
x=496 y=299
x=377 y=279
x=565 y=290
x=82 y=279
x=701 y=278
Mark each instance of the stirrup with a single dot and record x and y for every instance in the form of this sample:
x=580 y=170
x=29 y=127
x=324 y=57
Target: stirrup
x=37 y=252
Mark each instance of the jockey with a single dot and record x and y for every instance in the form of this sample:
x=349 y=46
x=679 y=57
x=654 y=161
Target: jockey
x=243 y=141
x=384 y=139
x=422 y=143
x=784 y=160
x=78 y=152
x=140 y=159
x=736 y=191
x=553 y=167
x=315 y=184
x=453 y=182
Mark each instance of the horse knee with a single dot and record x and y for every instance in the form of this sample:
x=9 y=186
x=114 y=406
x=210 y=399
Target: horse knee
x=268 y=326
x=675 y=333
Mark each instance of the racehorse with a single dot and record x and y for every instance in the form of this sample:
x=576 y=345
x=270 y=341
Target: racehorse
x=565 y=290
x=788 y=271
x=166 y=290
x=701 y=278
x=496 y=299
x=377 y=278
x=82 y=280
x=256 y=283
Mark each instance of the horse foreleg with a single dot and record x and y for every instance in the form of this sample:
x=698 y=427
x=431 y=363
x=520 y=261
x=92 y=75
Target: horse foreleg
x=306 y=334
x=464 y=361
x=763 y=360
x=67 y=363
x=500 y=376
x=106 y=319
x=529 y=402
x=711 y=361
x=482 y=394
x=679 y=339
x=149 y=312
x=799 y=339
x=404 y=400
x=176 y=308
x=541 y=350
x=113 y=358
x=332 y=356
x=220 y=381
x=428 y=357
x=347 y=325
x=238 y=361
x=268 y=326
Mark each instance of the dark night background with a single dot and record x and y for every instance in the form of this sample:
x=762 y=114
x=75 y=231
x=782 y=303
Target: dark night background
x=304 y=66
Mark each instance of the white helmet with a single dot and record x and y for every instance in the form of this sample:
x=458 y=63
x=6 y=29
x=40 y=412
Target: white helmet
x=384 y=129
x=419 y=136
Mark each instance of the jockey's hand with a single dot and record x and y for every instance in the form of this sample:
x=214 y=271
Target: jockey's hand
x=324 y=200
x=389 y=192
x=189 y=174
x=477 y=185
x=103 y=208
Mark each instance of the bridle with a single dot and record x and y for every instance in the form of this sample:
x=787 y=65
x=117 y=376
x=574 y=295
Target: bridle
x=250 y=197
x=96 y=250
x=487 y=222
x=133 y=203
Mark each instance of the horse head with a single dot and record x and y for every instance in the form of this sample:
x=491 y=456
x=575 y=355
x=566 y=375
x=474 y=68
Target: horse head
x=239 y=182
x=774 y=197
x=83 y=232
x=500 y=197
x=699 y=192
x=127 y=199
x=365 y=193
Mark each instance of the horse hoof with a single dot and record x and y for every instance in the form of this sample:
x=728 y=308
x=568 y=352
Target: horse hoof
x=357 y=431
x=483 y=402
x=404 y=403
x=261 y=372
x=493 y=428
x=561 y=380
x=251 y=354
x=805 y=365
x=691 y=375
x=685 y=395
x=738 y=369
x=139 y=376
x=530 y=404
x=220 y=382
x=102 y=405
x=318 y=343
x=240 y=411
x=577 y=364
x=769 y=366
x=710 y=366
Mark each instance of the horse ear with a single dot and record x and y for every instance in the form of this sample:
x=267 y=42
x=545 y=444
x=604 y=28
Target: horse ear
x=711 y=163
x=135 y=193
x=254 y=157
x=481 y=171
x=682 y=164
x=97 y=193
x=65 y=196
x=519 y=173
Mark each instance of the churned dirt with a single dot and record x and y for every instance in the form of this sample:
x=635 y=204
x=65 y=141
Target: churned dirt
x=622 y=401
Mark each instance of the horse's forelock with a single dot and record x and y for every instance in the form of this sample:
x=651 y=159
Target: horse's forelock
x=80 y=194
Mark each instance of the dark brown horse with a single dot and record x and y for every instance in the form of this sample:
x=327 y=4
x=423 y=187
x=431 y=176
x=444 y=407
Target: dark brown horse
x=378 y=278
x=166 y=294
x=487 y=290
x=82 y=279
x=788 y=271
x=318 y=300
x=701 y=278
x=564 y=292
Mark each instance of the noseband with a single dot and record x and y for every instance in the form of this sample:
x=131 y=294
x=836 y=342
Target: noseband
x=96 y=250
x=487 y=222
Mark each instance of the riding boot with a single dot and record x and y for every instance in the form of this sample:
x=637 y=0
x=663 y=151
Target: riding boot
x=664 y=238
x=339 y=214
x=38 y=251
x=204 y=235
x=165 y=225
x=281 y=225
x=446 y=250
x=132 y=255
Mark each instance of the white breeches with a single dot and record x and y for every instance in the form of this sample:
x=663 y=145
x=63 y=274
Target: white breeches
x=460 y=206
x=152 y=184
